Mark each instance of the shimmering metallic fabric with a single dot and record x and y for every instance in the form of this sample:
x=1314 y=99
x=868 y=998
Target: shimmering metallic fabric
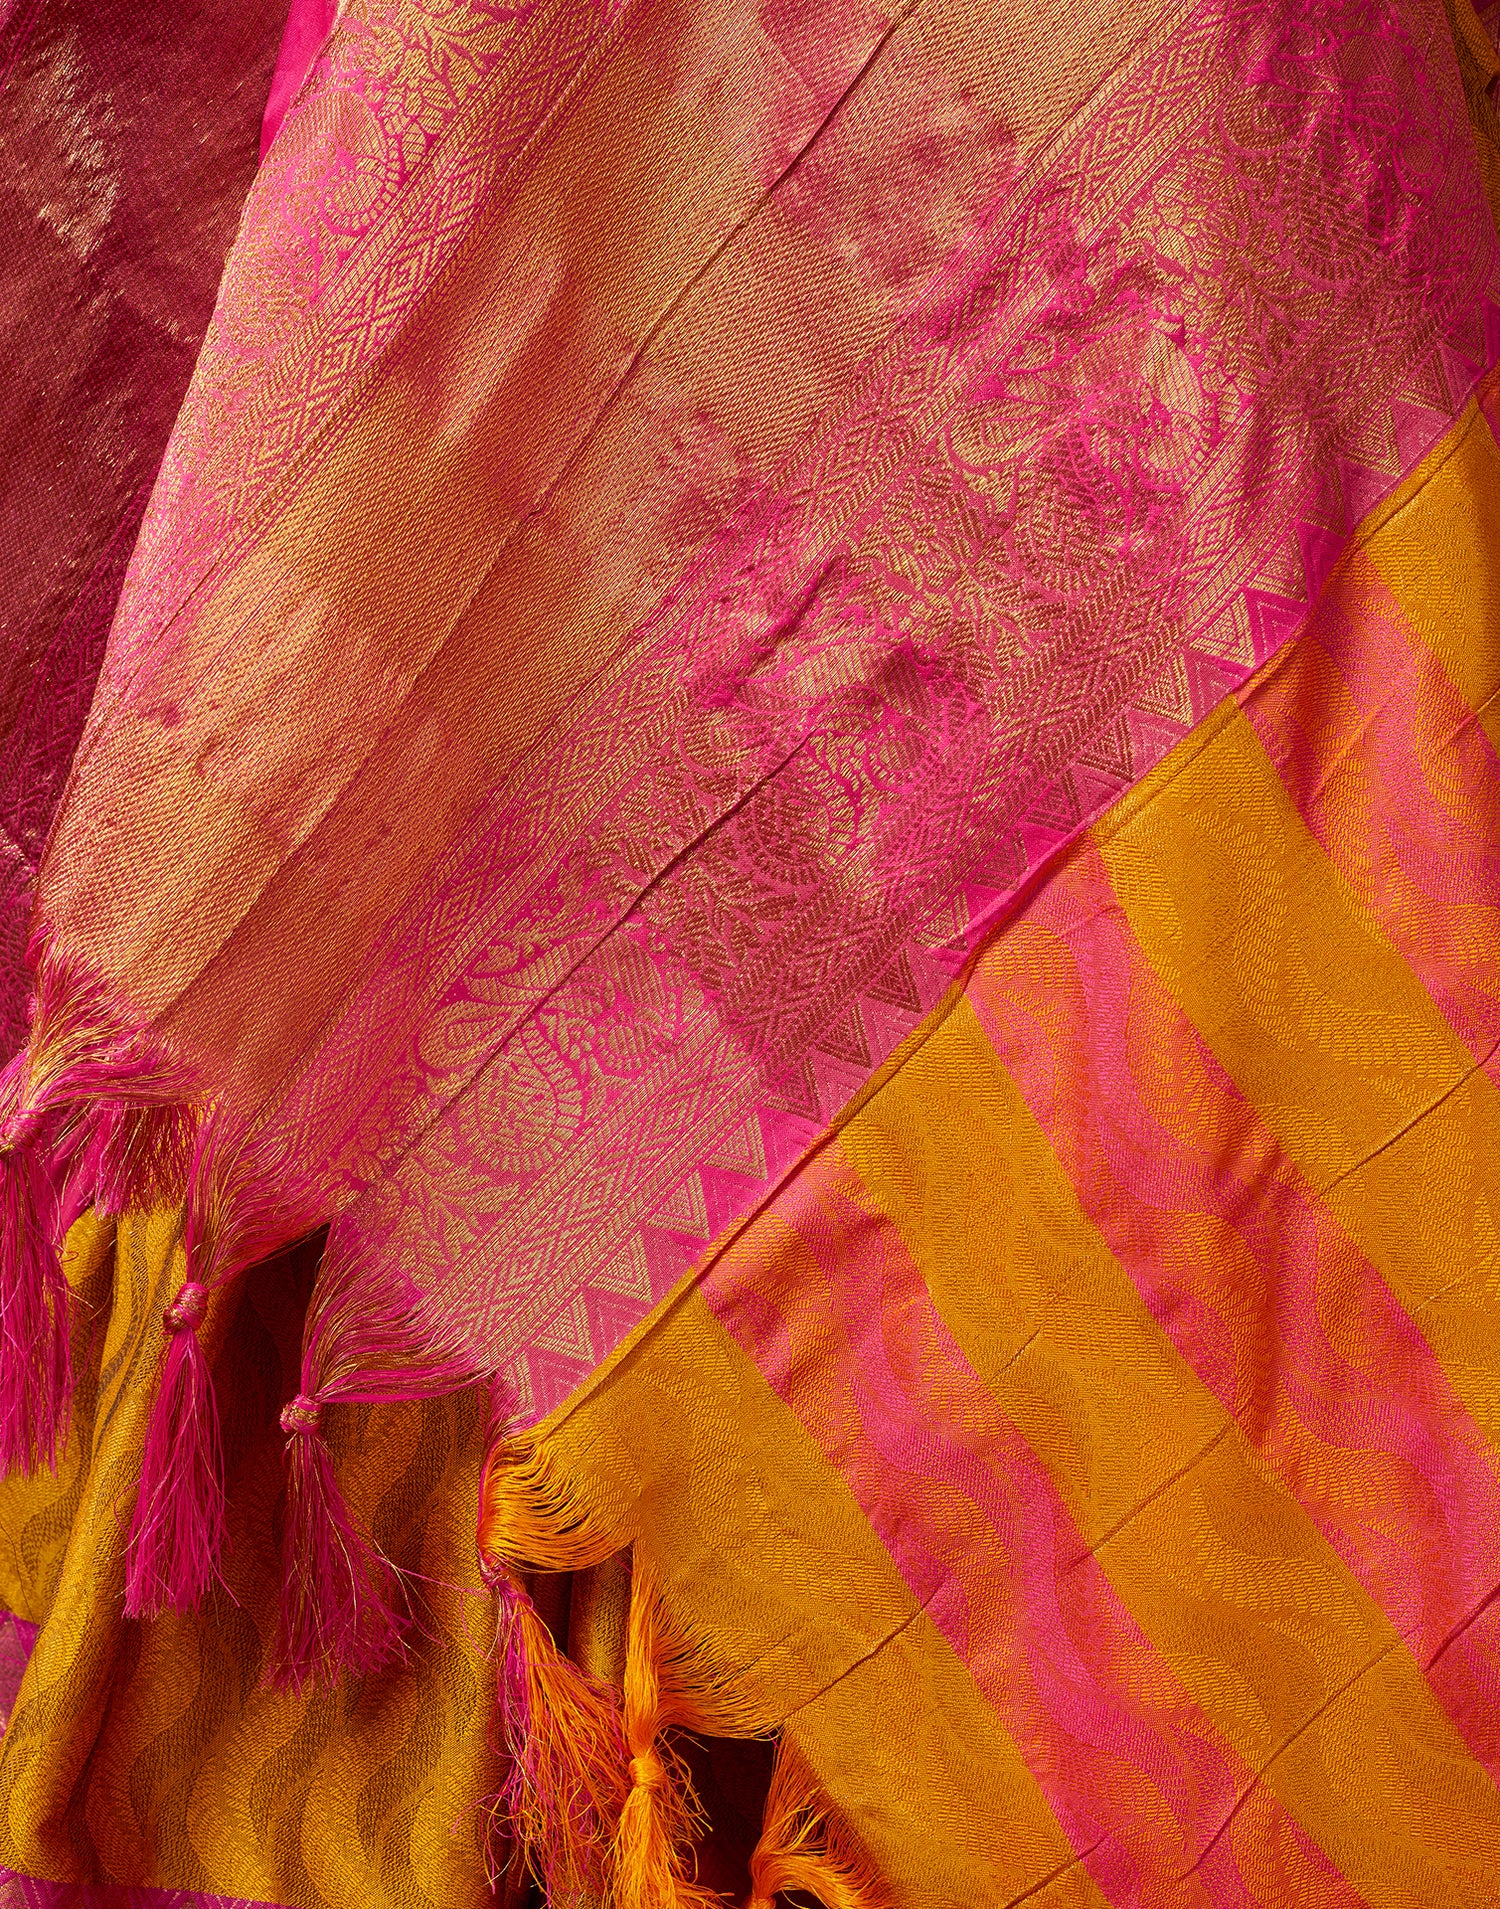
x=127 y=143
x=677 y=518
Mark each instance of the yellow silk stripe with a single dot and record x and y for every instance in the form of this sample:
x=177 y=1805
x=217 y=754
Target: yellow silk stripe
x=1436 y=553
x=763 y=1551
x=1328 y=1034
x=903 y=1737
x=1222 y=1569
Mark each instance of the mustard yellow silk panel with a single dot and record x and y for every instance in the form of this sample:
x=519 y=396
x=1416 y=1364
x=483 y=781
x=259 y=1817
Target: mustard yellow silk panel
x=148 y=1751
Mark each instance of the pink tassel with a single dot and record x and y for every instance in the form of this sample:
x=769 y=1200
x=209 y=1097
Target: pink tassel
x=343 y=1603
x=122 y=1097
x=88 y=1100
x=236 y=1215
x=339 y=1594
x=137 y=1157
x=36 y=1369
x=177 y=1532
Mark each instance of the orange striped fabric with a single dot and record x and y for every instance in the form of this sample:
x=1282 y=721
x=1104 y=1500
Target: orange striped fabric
x=1092 y=1451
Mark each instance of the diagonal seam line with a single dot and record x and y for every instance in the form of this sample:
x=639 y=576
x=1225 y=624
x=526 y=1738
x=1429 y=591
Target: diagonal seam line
x=1463 y=1624
x=1391 y=1140
x=1257 y=1780
x=1045 y=1882
x=496 y=1051
x=1098 y=1544
x=919 y=1610
x=699 y=273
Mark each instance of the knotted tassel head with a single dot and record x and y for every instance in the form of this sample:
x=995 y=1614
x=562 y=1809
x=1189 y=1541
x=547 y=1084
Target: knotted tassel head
x=341 y=1597
x=665 y=1686
x=177 y=1530
x=344 y=1605
x=35 y=1338
x=567 y=1780
x=803 y=1850
x=242 y=1207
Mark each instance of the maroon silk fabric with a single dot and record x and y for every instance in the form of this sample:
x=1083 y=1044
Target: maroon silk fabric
x=128 y=138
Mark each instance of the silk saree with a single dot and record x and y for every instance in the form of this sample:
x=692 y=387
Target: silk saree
x=756 y=1145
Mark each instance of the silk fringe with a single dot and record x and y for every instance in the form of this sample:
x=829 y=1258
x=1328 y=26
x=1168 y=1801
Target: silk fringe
x=92 y=1112
x=96 y=1111
x=598 y=1800
x=344 y=1605
x=803 y=1847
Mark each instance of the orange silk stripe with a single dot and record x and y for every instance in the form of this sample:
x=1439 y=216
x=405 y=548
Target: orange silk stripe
x=1256 y=1284
x=911 y=1717
x=764 y=1553
x=1270 y=1634
x=847 y=1334
x=1327 y=1033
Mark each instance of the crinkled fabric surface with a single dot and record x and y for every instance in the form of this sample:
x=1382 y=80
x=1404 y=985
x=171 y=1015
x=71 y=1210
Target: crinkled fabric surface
x=1093 y=1451
x=653 y=625
x=805 y=721
x=127 y=144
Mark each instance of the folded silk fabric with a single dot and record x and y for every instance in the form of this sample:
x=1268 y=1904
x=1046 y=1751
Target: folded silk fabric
x=790 y=813
x=127 y=143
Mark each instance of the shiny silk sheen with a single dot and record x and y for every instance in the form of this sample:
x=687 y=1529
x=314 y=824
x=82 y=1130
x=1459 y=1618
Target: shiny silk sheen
x=127 y=143
x=1094 y=1449
x=805 y=723
x=679 y=515
x=1090 y=1454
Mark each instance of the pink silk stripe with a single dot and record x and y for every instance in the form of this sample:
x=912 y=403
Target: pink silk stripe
x=17 y=1638
x=1241 y=1266
x=308 y=25
x=1140 y=1780
x=1398 y=782
x=718 y=1019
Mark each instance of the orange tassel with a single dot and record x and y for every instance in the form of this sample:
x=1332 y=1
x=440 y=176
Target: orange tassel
x=601 y=1805
x=566 y=1784
x=665 y=1687
x=802 y=1849
x=530 y=1519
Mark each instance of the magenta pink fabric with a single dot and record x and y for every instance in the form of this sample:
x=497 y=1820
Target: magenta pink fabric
x=30 y=1892
x=127 y=143
x=307 y=27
